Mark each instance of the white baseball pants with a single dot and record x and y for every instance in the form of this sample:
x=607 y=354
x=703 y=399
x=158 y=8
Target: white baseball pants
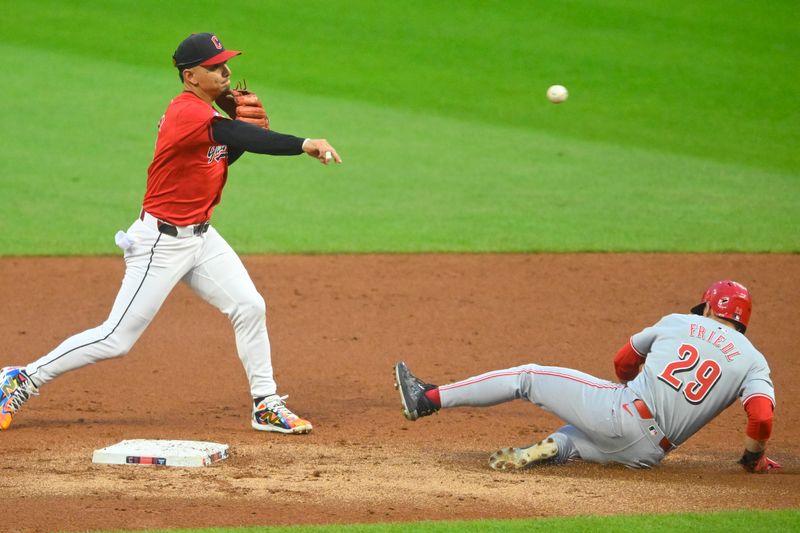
x=155 y=263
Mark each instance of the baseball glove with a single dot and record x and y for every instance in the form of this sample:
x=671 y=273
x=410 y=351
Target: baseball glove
x=244 y=105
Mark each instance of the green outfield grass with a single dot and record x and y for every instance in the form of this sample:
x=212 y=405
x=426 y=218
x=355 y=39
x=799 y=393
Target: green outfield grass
x=681 y=132
x=749 y=521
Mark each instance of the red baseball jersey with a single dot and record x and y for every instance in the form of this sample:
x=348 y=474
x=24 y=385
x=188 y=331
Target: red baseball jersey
x=189 y=169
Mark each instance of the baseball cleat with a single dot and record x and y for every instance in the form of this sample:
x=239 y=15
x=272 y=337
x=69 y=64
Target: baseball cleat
x=412 y=393
x=15 y=389
x=271 y=414
x=515 y=458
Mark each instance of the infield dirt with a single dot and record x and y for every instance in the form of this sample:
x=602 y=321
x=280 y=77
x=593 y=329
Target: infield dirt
x=337 y=325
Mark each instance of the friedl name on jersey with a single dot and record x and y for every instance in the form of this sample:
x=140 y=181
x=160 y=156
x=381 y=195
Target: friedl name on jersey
x=716 y=339
x=217 y=153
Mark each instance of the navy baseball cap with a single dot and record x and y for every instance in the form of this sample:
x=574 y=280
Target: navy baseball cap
x=201 y=49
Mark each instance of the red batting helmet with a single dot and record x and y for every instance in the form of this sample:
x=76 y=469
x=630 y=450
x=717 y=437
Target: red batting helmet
x=728 y=299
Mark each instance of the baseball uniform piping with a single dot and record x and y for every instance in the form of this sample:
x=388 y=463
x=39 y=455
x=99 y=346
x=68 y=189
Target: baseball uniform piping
x=149 y=263
x=537 y=372
x=210 y=132
x=759 y=395
x=640 y=354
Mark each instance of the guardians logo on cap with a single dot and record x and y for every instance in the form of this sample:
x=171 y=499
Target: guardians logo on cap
x=201 y=49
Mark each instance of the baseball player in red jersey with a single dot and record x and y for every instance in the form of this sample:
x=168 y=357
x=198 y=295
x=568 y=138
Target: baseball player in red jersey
x=677 y=375
x=172 y=240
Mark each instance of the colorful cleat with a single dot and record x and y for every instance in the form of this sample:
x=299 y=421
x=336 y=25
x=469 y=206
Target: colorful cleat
x=516 y=458
x=15 y=389
x=271 y=414
x=412 y=393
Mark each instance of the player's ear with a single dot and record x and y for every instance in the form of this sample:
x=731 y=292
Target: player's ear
x=188 y=76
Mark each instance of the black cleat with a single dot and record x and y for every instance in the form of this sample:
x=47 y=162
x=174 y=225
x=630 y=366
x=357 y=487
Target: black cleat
x=412 y=393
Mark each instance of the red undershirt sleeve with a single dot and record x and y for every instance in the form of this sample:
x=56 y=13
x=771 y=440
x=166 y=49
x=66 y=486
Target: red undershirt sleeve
x=759 y=418
x=627 y=362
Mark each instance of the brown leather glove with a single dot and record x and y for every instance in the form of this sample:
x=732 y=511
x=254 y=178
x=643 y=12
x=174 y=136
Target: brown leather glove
x=244 y=105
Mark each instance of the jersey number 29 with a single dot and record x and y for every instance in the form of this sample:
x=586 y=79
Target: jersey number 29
x=705 y=376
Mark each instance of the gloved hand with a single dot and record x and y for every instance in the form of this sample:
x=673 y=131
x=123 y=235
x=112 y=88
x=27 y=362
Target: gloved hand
x=758 y=463
x=244 y=105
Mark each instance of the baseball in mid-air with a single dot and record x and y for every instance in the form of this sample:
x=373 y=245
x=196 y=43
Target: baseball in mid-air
x=557 y=93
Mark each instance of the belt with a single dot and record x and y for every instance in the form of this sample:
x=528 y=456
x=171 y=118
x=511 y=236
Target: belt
x=645 y=413
x=172 y=230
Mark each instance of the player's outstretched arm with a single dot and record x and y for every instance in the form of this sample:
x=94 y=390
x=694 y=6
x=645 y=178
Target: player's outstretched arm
x=246 y=137
x=250 y=138
x=757 y=433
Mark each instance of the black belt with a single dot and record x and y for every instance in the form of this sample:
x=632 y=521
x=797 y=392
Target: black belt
x=169 y=229
x=172 y=230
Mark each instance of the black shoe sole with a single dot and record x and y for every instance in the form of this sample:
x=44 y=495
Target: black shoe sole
x=412 y=416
